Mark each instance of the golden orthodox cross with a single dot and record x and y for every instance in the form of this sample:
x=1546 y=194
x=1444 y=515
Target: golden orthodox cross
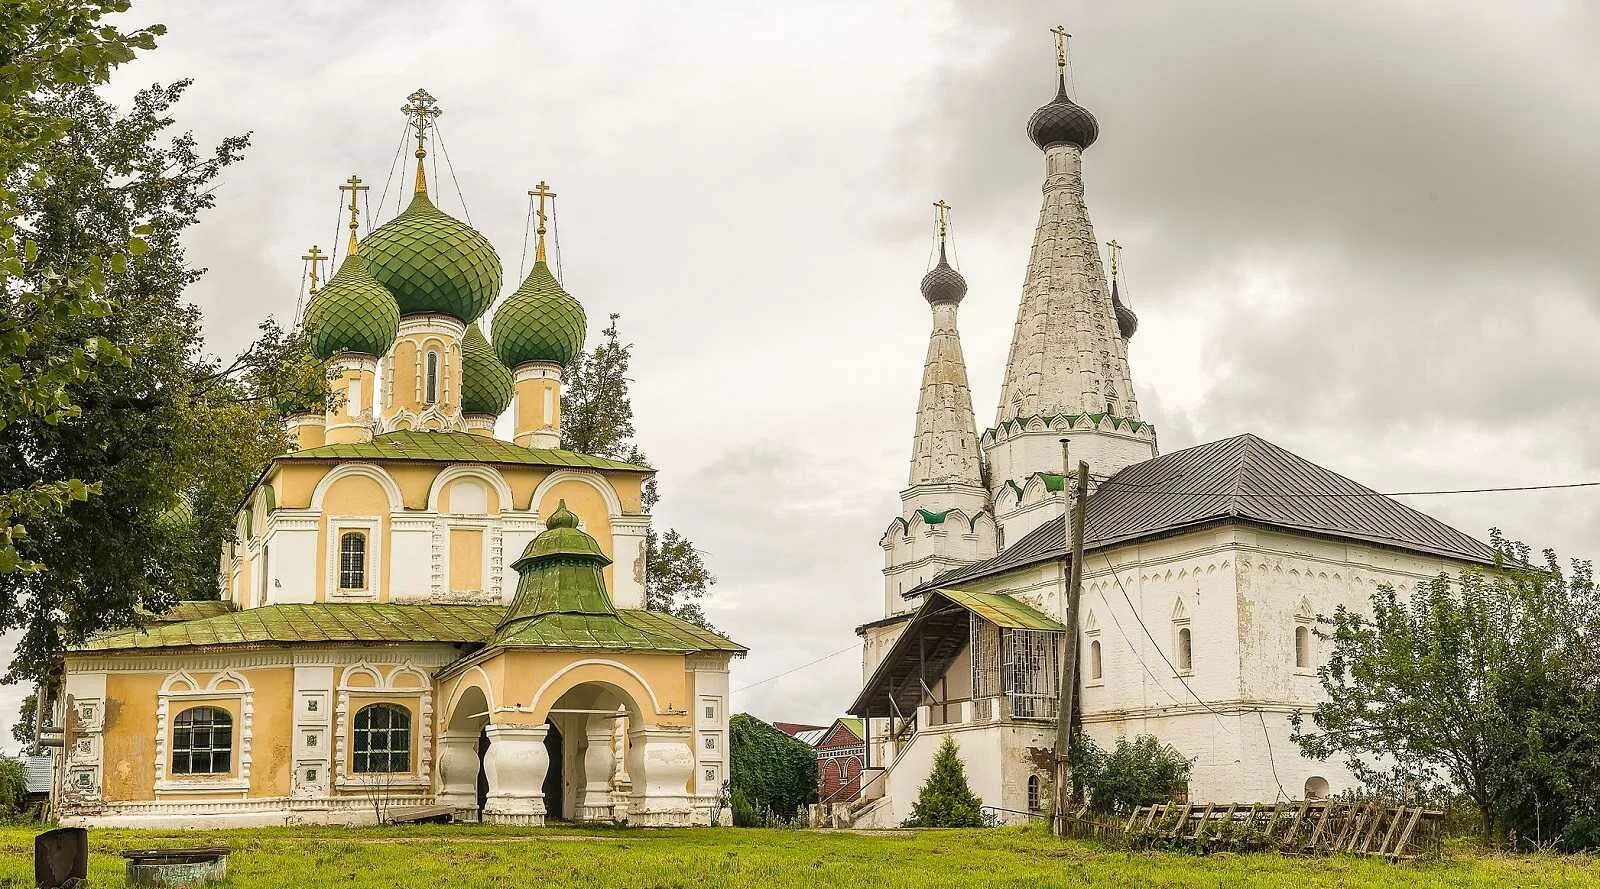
x=315 y=257
x=1116 y=253
x=420 y=109
x=1061 y=44
x=354 y=186
x=942 y=216
x=541 y=191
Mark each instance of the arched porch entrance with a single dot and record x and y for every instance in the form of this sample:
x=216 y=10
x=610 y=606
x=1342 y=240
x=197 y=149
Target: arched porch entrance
x=593 y=758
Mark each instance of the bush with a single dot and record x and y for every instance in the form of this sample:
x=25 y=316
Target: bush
x=774 y=775
x=13 y=787
x=1134 y=773
x=946 y=800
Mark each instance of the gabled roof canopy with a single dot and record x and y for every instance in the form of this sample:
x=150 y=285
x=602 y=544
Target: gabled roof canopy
x=1244 y=478
x=932 y=640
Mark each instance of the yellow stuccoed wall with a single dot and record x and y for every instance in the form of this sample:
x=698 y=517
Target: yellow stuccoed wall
x=516 y=677
x=354 y=497
x=593 y=516
x=130 y=730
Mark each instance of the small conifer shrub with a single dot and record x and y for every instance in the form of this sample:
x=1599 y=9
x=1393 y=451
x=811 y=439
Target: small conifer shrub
x=945 y=799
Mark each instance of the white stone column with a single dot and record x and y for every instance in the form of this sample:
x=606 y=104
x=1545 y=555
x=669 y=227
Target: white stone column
x=599 y=762
x=458 y=769
x=661 y=763
x=516 y=766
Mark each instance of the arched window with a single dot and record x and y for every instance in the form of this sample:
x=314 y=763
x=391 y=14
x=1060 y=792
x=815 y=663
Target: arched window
x=1185 y=650
x=1095 y=671
x=202 y=742
x=383 y=738
x=1316 y=787
x=1302 y=647
x=430 y=385
x=353 y=560
x=1035 y=804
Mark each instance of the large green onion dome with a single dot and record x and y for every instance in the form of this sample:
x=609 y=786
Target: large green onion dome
x=433 y=262
x=485 y=382
x=354 y=313
x=540 y=322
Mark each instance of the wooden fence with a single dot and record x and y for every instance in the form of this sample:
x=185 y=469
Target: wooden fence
x=1307 y=827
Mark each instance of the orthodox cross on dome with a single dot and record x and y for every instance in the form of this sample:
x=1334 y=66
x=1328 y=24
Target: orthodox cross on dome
x=354 y=186
x=541 y=191
x=1061 y=45
x=315 y=257
x=941 y=212
x=420 y=110
x=1116 y=253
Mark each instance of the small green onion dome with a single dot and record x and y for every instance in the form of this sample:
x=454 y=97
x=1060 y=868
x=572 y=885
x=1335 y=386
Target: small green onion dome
x=433 y=262
x=485 y=382
x=354 y=313
x=539 y=322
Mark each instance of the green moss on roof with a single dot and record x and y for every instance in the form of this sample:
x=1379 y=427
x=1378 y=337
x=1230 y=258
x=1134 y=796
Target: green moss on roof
x=456 y=447
x=539 y=322
x=387 y=623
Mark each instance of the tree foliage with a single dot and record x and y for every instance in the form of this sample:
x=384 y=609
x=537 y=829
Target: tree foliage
x=945 y=799
x=773 y=775
x=1134 y=773
x=1484 y=684
x=597 y=418
x=47 y=46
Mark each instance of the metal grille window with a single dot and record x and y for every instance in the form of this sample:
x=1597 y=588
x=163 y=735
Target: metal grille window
x=985 y=643
x=383 y=739
x=202 y=742
x=1035 y=804
x=1029 y=664
x=352 y=561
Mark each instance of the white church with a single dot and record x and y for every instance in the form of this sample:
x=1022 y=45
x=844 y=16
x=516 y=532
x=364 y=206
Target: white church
x=1204 y=569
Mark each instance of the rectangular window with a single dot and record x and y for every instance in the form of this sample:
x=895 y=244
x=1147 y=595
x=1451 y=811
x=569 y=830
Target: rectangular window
x=352 y=399
x=352 y=560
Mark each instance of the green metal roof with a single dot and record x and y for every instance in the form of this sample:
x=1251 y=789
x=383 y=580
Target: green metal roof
x=931 y=517
x=486 y=385
x=433 y=262
x=354 y=313
x=378 y=623
x=1002 y=610
x=852 y=725
x=194 y=610
x=539 y=322
x=456 y=447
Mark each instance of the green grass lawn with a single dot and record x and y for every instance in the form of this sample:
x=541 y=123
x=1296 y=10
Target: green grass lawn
x=471 y=856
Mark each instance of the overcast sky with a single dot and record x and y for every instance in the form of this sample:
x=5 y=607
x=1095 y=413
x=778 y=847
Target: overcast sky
x=1364 y=231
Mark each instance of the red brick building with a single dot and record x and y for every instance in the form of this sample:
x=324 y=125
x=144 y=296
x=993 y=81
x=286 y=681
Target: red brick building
x=841 y=753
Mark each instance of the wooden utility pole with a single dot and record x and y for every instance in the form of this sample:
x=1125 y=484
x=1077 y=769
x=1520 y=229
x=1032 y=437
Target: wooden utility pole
x=1067 y=694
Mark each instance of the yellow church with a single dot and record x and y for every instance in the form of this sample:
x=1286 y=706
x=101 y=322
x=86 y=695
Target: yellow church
x=415 y=613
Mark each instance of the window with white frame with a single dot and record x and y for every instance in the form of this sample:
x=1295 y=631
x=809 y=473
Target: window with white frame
x=202 y=742
x=1302 y=647
x=1096 y=670
x=1185 y=648
x=353 y=560
x=430 y=376
x=382 y=739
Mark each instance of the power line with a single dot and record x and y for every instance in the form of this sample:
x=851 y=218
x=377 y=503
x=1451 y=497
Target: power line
x=1136 y=488
x=460 y=195
x=1131 y=647
x=851 y=647
x=392 y=164
x=1176 y=674
x=1270 y=759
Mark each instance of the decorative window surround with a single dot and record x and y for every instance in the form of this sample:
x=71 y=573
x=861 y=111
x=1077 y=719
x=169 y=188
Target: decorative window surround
x=383 y=687
x=372 y=527
x=182 y=688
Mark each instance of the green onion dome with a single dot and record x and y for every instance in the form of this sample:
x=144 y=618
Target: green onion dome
x=485 y=382
x=354 y=313
x=433 y=262
x=539 y=322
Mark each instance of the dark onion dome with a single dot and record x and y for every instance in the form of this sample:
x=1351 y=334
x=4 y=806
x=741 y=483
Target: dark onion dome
x=1127 y=321
x=539 y=322
x=485 y=382
x=433 y=262
x=943 y=285
x=1063 y=120
x=354 y=313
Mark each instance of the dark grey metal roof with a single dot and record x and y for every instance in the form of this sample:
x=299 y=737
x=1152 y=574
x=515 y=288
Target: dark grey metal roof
x=1243 y=478
x=1063 y=120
